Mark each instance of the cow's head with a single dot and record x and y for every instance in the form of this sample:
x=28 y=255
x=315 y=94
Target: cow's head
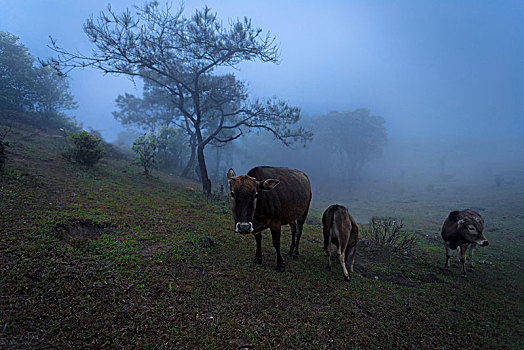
x=471 y=229
x=244 y=191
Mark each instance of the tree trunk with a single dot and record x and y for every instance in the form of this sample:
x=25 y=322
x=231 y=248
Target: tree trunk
x=206 y=183
x=191 y=161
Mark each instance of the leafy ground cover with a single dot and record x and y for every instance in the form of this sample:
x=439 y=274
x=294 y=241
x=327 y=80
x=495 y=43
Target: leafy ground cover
x=110 y=258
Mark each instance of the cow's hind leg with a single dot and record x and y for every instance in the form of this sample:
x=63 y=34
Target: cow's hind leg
x=258 y=255
x=342 y=259
x=293 y=226
x=275 y=235
x=350 y=256
x=299 y=226
x=327 y=247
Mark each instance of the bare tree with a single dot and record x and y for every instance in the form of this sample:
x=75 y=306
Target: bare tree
x=390 y=233
x=181 y=56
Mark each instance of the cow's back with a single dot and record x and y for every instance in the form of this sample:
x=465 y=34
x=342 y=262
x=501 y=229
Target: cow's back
x=338 y=218
x=289 y=200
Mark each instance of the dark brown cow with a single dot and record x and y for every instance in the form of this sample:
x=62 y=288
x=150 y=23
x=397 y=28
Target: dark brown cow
x=340 y=229
x=463 y=229
x=268 y=198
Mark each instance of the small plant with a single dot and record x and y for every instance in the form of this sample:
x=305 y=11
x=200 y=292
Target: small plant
x=146 y=149
x=3 y=145
x=390 y=233
x=84 y=148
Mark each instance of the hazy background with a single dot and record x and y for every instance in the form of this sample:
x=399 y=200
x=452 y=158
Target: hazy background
x=427 y=67
x=447 y=76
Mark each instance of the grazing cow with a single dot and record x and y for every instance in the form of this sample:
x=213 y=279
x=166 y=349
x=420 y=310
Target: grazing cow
x=268 y=198
x=340 y=229
x=463 y=229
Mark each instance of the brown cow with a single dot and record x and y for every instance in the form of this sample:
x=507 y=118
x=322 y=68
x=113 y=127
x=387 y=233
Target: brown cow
x=340 y=229
x=463 y=229
x=268 y=198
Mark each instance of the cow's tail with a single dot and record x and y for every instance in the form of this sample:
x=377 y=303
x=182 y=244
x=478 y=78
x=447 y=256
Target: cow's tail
x=354 y=229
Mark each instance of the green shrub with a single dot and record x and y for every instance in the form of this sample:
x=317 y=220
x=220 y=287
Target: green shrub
x=84 y=149
x=146 y=149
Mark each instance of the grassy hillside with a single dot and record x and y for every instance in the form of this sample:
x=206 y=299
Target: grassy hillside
x=109 y=258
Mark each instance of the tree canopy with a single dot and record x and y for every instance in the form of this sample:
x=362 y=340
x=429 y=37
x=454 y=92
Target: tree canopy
x=27 y=86
x=181 y=55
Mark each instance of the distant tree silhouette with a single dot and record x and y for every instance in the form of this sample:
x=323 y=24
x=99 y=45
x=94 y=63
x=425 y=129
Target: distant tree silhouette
x=353 y=138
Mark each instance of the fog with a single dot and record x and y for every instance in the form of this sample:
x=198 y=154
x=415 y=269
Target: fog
x=447 y=77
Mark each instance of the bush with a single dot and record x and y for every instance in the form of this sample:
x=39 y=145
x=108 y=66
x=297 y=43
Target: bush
x=84 y=149
x=3 y=145
x=390 y=233
x=146 y=149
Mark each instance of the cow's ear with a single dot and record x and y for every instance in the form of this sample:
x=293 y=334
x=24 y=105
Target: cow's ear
x=460 y=222
x=267 y=185
x=231 y=174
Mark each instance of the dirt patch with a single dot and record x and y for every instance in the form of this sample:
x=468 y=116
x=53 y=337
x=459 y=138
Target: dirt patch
x=394 y=278
x=77 y=234
x=369 y=256
x=155 y=248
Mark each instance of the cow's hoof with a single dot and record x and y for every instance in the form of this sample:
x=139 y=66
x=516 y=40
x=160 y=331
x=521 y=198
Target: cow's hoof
x=470 y=269
x=464 y=275
x=281 y=268
x=257 y=260
x=294 y=257
x=347 y=279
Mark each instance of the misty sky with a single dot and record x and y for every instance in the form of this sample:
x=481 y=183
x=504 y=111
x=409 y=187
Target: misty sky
x=430 y=68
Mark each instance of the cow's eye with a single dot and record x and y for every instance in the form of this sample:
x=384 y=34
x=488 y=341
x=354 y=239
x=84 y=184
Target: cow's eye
x=471 y=228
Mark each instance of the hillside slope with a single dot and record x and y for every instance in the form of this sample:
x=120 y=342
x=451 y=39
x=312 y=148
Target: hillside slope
x=109 y=258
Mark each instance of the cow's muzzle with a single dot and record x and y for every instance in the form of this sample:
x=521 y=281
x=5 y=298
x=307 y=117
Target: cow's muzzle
x=483 y=243
x=244 y=227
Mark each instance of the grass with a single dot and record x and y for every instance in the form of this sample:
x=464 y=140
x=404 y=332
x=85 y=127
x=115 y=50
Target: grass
x=110 y=258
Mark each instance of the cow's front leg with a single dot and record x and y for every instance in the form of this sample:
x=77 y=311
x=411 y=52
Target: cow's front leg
x=471 y=249
x=258 y=255
x=275 y=235
x=448 y=255
x=463 y=249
